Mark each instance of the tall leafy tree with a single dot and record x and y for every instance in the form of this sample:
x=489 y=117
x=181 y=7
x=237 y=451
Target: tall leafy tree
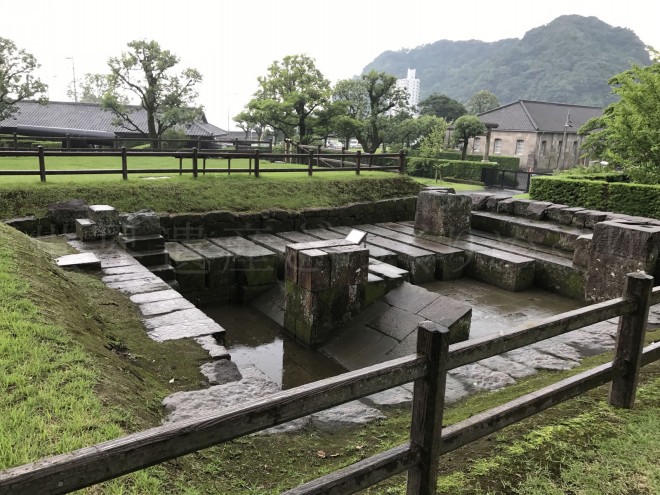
x=368 y=102
x=441 y=106
x=290 y=97
x=92 y=88
x=466 y=127
x=481 y=102
x=248 y=121
x=352 y=95
x=17 y=82
x=146 y=72
x=628 y=133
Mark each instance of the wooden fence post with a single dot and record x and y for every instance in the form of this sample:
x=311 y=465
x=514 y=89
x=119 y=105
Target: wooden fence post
x=318 y=155
x=42 y=163
x=343 y=150
x=630 y=341
x=428 y=406
x=194 y=160
x=357 y=162
x=256 y=163
x=15 y=142
x=311 y=162
x=180 y=165
x=68 y=142
x=402 y=162
x=124 y=163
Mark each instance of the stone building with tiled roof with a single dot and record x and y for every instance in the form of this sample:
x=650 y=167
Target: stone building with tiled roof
x=542 y=134
x=87 y=122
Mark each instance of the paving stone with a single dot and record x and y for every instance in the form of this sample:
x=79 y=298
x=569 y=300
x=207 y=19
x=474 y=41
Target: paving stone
x=481 y=378
x=347 y=415
x=119 y=270
x=411 y=298
x=118 y=261
x=123 y=277
x=539 y=360
x=588 y=343
x=161 y=295
x=508 y=366
x=395 y=323
x=253 y=385
x=216 y=351
x=397 y=396
x=139 y=285
x=454 y=390
x=450 y=313
x=175 y=318
x=82 y=261
x=556 y=347
x=162 y=307
x=654 y=315
x=221 y=372
x=197 y=328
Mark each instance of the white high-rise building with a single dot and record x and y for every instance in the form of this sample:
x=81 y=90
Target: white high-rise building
x=410 y=84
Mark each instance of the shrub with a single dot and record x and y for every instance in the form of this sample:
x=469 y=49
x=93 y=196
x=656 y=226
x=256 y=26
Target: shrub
x=620 y=197
x=466 y=170
x=505 y=162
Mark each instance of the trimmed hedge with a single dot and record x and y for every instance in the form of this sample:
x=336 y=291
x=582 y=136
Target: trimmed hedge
x=619 y=197
x=606 y=176
x=466 y=170
x=505 y=162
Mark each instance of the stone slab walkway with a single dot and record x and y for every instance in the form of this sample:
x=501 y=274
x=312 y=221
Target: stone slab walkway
x=166 y=314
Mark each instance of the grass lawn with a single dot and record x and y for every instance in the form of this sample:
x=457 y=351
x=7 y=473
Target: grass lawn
x=456 y=185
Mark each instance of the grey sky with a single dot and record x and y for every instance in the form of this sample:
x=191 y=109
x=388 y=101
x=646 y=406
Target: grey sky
x=232 y=43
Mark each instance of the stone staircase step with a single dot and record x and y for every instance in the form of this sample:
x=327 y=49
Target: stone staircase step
x=141 y=243
x=419 y=262
x=82 y=261
x=151 y=258
x=219 y=265
x=165 y=272
x=255 y=267
x=449 y=261
x=499 y=268
x=377 y=252
x=189 y=266
x=275 y=244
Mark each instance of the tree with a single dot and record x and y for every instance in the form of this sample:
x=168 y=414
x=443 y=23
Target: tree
x=290 y=97
x=481 y=102
x=92 y=89
x=247 y=121
x=441 y=106
x=146 y=71
x=628 y=133
x=434 y=143
x=466 y=127
x=16 y=80
x=352 y=95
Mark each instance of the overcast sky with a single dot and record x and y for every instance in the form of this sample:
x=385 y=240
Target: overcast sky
x=232 y=43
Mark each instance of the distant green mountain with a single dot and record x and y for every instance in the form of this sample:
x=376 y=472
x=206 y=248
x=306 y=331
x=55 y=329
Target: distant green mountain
x=567 y=61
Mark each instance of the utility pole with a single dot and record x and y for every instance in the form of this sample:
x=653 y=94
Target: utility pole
x=562 y=151
x=75 y=90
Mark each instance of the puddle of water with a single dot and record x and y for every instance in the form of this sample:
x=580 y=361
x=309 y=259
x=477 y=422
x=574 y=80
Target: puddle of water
x=252 y=338
x=495 y=310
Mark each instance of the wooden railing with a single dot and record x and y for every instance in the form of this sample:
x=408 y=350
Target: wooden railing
x=255 y=157
x=115 y=143
x=428 y=440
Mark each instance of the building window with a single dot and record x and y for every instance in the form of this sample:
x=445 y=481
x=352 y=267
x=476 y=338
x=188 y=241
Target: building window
x=575 y=149
x=542 y=150
x=559 y=147
x=519 y=146
x=497 y=146
x=476 y=144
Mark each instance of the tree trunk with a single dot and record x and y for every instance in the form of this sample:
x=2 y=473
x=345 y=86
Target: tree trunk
x=465 y=147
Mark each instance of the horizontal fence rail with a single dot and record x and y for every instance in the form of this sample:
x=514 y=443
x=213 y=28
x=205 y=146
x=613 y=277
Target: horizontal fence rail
x=68 y=472
x=350 y=162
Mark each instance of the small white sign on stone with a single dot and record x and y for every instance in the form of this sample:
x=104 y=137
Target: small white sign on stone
x=357 y=237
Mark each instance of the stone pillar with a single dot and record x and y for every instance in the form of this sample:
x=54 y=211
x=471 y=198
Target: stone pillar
x=443 y=214
x=325 y=288
x=619 y=248
x=489 y=128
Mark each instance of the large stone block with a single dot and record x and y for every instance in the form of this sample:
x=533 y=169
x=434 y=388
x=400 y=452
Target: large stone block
x=218 y=263
x=140 y=223
x=189 y=266
x=505 y=270
x=254 y=265
x=106 y=219
x=443 y=214
x=618 y=249
x=64 y=214
x=581 y=253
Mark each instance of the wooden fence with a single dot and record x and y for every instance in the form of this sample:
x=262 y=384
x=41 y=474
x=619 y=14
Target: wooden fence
x=354 y=162
x=428 y=440
x=70 y=143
